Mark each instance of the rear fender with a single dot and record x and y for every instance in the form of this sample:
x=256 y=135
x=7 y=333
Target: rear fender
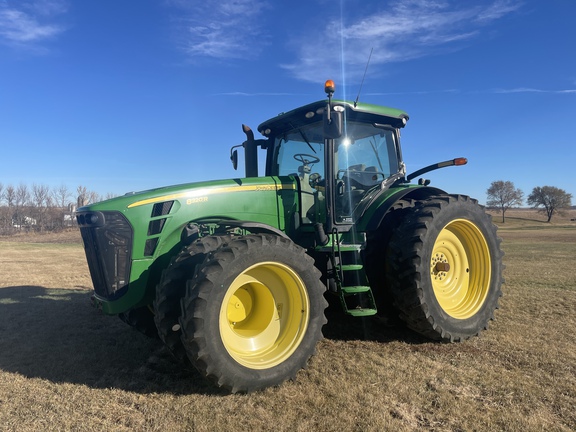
x=417 y=193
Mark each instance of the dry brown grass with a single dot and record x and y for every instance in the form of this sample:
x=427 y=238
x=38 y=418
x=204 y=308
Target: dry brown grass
x=528 y=217
x=63 y=366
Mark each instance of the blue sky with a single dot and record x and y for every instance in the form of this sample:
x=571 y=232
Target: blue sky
x=120 y=95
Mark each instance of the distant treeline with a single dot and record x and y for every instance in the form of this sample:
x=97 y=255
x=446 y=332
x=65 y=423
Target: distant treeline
x=41 y=208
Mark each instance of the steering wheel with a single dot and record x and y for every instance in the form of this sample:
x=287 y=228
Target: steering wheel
x=303 y=158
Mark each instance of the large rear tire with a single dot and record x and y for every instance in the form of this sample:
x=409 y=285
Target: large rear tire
x=172 y=286
x=375 y=254
x=446 y=268
x=254 y=314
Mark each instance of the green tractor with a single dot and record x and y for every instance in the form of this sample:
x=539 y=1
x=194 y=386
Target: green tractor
x=233 y=275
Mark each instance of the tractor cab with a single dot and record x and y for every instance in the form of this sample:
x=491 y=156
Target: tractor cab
x=341 y=154
x=360 y=160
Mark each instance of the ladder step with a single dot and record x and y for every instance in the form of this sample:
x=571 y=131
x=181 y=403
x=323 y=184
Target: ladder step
x=349 y=267
x=362 y=312
x=355 y=289
x=350 y=247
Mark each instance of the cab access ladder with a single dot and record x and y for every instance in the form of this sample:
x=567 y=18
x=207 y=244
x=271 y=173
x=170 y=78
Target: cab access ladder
x=352 y=285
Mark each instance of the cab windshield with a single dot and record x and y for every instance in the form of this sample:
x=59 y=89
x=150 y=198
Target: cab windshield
x=364 y=157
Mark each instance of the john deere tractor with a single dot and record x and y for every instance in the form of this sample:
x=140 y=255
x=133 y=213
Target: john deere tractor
x=233 y=275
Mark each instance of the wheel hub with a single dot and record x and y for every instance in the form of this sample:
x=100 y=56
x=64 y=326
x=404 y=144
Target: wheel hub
x=439 y=266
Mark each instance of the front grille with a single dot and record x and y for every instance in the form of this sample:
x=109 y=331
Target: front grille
x=107 y=240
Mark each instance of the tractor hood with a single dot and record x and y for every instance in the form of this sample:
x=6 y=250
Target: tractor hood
x=123 y=236
x=157 y=215
x=189 y=192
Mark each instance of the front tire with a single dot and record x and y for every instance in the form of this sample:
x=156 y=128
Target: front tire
x=446 y=268
x=254 y=315
x=172 y=286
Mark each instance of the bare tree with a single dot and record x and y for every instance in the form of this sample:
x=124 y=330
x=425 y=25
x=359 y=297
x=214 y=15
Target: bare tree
x=4 y=212
x=40 y=207
x=10 y=195
x=22 y=199
x=8 y=215
x=552 y=200
x=41 y=201
x=62 y=214
x=85 y=196
x=22 y=195
x=82 y=194
x=61 y=196
x=41 y=195
x=93 y=197
x=503 y=195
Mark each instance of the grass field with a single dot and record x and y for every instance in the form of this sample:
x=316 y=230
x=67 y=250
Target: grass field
x=63 y=366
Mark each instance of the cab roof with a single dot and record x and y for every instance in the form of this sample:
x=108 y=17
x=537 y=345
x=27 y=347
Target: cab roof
x=313 y=113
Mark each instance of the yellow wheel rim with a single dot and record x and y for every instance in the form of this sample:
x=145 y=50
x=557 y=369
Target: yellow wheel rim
x=460 y=269
x=264 y=315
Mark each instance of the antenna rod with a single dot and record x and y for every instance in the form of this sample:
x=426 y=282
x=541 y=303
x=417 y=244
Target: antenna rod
x=362 y=83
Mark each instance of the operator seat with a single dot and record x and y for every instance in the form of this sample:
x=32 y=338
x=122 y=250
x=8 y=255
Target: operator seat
x=357 y=179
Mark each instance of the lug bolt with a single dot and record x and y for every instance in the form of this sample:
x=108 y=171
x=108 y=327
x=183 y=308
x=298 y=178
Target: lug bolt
x=442 y=267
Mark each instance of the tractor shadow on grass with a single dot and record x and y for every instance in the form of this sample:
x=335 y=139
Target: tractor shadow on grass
x=56 y=335
x=371 y=328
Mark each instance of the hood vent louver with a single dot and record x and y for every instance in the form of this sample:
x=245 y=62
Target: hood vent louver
x=156 y=226
x=161 y=209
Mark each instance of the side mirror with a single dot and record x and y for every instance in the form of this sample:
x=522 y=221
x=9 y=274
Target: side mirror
x=234 y=159
x=333 y=124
